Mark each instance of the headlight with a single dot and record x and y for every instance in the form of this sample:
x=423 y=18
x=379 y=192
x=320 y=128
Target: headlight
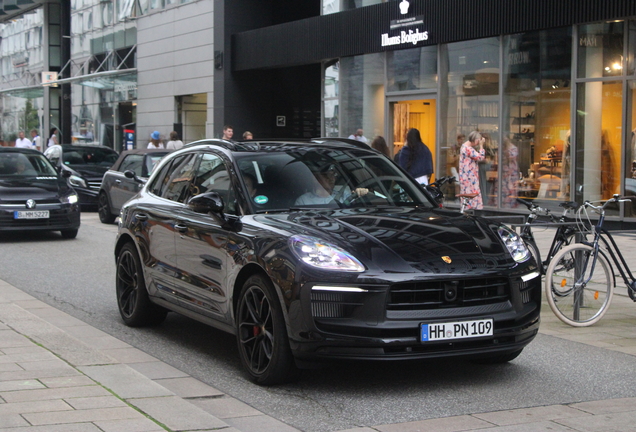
x=71 y=199
x=77 y=181
x=515 y=245
x=322 y=255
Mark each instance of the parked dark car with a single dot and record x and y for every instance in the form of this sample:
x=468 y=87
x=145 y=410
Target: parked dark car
x=119 y=186
x=34 y=196
x=86 y=165
x=318 y=250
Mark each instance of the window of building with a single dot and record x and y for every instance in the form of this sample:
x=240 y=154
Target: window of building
x=535 y=157
x=412 y=69
x=630 y=169
x=469 y=101
x=601 y=50
x=331 y=103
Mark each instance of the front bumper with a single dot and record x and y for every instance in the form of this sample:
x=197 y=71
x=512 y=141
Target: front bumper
x=61 y=217
x=379 y=324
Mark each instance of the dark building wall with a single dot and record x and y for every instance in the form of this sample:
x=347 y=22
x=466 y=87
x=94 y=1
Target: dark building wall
x=251 y=100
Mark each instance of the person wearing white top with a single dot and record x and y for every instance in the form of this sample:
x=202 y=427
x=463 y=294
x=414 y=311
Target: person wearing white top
x=52 y=138
x=22 y=141
x=36 y=139
x=359 y=136
x=175 y=143
x=155 y=143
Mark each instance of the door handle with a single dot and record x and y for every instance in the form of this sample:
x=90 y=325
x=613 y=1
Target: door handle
x=141 y=216
x=117 y=181
x=181 y=227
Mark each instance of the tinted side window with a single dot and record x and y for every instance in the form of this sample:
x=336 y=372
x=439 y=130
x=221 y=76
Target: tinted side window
x=132 y=162
x=213 y=176
x=178 y=182
x=159 y=180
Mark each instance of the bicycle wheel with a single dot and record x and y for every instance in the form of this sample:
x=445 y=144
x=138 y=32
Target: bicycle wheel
x=586 y=289
x=557 y=288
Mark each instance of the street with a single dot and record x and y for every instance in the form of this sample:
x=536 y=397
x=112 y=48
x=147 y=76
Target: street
x=77 y=276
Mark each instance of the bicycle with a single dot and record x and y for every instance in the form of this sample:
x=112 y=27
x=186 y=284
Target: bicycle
x=435 y=188
x=564 y=235
x=583 y=275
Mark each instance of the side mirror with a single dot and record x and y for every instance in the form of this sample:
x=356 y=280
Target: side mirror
x=131 y=175
x=207 y=202
x=65 y=173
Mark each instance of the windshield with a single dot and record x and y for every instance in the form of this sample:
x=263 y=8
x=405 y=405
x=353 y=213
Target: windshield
x=89 y=156
x=309 y=177
x=25 y=164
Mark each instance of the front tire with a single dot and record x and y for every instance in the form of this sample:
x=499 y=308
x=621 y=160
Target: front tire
x=103 y=209
x=261 y=334
x=579 y=303
x=69 y=233
x=135 y=306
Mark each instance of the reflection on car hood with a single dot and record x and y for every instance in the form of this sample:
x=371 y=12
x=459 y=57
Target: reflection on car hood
x=422 y=240
x=41 y=188
x=88 y=171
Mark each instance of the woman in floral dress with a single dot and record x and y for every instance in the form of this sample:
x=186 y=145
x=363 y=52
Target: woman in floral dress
x=471 y=152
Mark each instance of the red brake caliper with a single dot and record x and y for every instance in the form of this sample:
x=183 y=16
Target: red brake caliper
x=256 y=330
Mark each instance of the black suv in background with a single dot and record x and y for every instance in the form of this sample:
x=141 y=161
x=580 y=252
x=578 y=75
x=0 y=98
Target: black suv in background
x=124 y=179
x=86 y=165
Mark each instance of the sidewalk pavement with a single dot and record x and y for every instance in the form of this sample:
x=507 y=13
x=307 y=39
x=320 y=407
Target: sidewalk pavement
x=58 y=373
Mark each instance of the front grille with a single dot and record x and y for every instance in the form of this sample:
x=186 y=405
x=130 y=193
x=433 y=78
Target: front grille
x=329 y=304
x=94 y=184
x=438 y=294
x=525 y=288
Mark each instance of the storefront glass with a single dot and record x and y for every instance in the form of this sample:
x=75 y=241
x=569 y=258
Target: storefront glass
x=331 y=103
x=361 y=93
x=601 y=50
x=469 y=100
x=599 y=141
x=333 y=6
x=20 y=112
x=631 y=52
x=630 y=166
x=412 y=69
x=536 y=122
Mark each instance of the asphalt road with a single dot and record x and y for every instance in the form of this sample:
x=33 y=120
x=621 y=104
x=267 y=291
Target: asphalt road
x=77 y=276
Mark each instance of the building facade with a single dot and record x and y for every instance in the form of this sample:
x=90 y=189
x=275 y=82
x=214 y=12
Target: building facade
x=550 y=84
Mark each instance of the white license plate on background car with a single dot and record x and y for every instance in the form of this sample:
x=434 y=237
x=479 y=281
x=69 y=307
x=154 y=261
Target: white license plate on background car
x=31 y=214
x=456 y=330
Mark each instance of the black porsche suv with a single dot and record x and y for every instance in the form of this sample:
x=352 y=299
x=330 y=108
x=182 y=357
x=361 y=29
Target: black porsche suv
x=320 y=249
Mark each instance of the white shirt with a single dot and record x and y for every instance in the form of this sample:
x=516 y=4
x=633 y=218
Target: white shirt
x=174 y=144
x=37 y=142
x=359 y=138
x=24 y=143
x=151 y=145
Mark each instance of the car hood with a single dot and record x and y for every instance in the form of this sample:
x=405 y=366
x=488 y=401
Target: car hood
x=433 y=241
x=37 y=188
x=87 y=171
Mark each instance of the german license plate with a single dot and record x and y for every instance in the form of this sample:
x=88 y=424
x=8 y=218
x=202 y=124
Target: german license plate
x=31 y=214
x=456 y=330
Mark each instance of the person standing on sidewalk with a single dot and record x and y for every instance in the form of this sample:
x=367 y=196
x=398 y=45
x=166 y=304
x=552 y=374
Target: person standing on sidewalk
x=155 y=141
x=175 y=143
x=23 y=142
x=36 y=139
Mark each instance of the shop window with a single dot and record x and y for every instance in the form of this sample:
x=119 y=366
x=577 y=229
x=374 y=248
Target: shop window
x=361 y=91
x=631 y=54
x=601 y=50
x=630 y=169
x=536 y=122
x=470 y=102
x=599 y=141
x=331 y=104
x=412 y=69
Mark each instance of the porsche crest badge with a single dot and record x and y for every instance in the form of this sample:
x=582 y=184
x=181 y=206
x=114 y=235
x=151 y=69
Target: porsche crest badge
x=447 y=259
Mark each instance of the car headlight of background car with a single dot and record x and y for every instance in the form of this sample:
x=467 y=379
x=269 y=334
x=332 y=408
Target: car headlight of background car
x=515 y=245
x=323 y=255
x=70 y=199
x=77 y=181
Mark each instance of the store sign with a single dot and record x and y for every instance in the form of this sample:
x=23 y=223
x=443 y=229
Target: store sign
x=411 y=32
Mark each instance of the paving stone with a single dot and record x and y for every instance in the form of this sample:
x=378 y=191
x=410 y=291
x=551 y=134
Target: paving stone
x=31 y=304
x=261 y=423
x=177 y=414
x=12 y=421
x=69 y=381
x=81 y=416
x=131 y=425
x=189 y=387
x=30 y=375
x=529 y=415
x=130 y=355
x=75 y=427
x=41 y=354
x=157 y=370
x=54 y=393
x=546 y=426
x=33 y=407
x=95 y=402
x=616 y=422
x=125 y=382
x=360 y=429
x=11 y=339
x=10 y=386
x=54 y=363
x=446 y=424
x=8 y=367
x=607 y=406
x=225 y=407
